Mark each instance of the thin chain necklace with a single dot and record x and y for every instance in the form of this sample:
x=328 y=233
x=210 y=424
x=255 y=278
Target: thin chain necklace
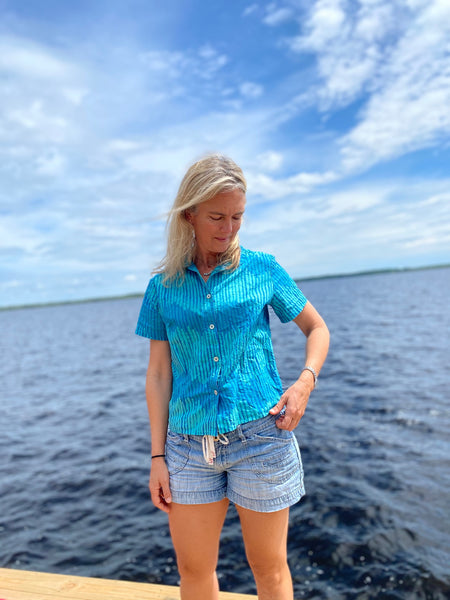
x=208 y=273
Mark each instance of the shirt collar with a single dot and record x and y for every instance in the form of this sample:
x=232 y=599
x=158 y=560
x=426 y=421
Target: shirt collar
x=219 y=268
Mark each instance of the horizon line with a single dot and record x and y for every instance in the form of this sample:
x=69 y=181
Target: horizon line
x=296 y=279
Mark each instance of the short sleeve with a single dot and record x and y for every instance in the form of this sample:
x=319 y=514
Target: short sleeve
x=150 y=323
x=287 y=300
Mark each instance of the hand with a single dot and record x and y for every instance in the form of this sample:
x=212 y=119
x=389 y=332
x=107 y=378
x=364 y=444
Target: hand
x=295 y=398
x=159 y=485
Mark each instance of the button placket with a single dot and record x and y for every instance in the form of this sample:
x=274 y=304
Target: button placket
x=215 y=366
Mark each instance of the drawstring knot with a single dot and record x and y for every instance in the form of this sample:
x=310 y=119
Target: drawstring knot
x=209 y=450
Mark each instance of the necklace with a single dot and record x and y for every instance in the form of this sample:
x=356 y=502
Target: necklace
x=207 y=274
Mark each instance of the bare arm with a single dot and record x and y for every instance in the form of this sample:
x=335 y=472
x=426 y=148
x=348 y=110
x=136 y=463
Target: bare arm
x=296 y=397
x=158 y=390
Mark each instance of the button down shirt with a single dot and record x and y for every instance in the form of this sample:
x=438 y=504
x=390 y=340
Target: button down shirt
x=223 y=366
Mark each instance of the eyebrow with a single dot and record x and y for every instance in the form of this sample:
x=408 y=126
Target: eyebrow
x=214 y=212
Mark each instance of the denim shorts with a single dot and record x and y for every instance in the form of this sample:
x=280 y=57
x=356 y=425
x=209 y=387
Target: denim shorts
x=260 y=468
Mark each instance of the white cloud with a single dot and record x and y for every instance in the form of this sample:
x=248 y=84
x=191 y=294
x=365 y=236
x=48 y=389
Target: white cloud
x=409 y=109
x=349 y=46
x=443 y=198
x=95 y=138
x=76 y=96
x=13 y=283
x=251 y=90
x=427 y=241
x=203 y=63
x=275 y=15
x=270 y=161
x=393 y=57
x=250 y=10
x=351 y=201
x=19 y=56
x=42 y=100
x=383 y=224
x=325 y=24
x=270 y=189
x=50 y=164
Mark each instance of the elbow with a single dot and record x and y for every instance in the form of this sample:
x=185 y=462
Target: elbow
x=321 y=334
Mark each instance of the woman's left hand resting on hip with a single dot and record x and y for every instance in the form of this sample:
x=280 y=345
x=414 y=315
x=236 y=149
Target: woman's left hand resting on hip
x=295 y=400
x=296 y=397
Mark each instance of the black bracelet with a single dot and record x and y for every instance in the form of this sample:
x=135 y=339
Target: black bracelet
x=158 y=456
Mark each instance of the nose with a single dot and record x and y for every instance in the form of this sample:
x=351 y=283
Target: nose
x=227 y=226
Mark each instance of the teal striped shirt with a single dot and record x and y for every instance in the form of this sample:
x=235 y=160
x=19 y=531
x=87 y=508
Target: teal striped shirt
x=224 y=371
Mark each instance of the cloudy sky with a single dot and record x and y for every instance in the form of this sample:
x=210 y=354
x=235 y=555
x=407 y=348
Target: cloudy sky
x=337 y=110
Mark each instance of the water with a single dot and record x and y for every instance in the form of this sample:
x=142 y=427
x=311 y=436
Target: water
x=74 y=445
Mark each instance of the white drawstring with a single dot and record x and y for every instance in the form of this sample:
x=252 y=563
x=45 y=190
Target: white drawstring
x=209 y=451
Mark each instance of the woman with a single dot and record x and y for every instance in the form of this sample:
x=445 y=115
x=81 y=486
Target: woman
x=221 y=427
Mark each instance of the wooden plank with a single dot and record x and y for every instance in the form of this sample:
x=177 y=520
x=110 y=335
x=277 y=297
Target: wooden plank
x=31 y=585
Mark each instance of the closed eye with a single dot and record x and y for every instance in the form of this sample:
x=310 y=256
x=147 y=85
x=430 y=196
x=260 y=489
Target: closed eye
x=219 y=217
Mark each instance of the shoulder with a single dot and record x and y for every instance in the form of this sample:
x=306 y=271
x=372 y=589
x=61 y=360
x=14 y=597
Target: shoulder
x=154 y=286
x=256 y=259
x=155 y=282
x=169 y=290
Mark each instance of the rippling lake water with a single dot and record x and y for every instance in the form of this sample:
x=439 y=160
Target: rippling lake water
x=74 y=445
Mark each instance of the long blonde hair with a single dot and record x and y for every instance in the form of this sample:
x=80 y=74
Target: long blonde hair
x=205 y=179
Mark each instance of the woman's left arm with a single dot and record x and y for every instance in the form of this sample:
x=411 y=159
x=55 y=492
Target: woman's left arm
x=296 y=397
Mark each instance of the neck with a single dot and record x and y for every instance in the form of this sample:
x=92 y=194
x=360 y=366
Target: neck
x=206 y=262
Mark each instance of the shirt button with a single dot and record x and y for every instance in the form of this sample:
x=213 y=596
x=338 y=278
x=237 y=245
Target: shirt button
x=211 y=326
x=215 y=392
x=208 y=296
x=216 y=359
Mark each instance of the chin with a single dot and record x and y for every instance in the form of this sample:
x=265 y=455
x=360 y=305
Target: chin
x=222 y=247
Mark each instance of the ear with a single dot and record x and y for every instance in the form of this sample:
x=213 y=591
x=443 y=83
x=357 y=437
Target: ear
x=188 y=215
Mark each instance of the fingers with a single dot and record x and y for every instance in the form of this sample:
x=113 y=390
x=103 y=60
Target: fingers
x=292 y=415
x=286 y=421
x=295 y=399
x=165 y=493
x=161 y=499
x=278 y=406
x=160 y=493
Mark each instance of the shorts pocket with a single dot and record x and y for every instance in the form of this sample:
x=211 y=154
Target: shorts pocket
x=177 y=452
x=269 y=432
x=274 y=456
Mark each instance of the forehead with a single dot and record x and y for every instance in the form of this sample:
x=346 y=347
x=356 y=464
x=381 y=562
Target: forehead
x=232 y=201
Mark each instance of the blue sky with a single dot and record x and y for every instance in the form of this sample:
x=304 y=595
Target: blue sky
x=337 y=110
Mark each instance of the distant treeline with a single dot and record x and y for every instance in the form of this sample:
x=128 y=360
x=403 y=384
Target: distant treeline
x=298 y=279
x=374 y=272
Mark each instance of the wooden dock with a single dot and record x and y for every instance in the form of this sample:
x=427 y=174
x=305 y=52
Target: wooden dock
x=30 y=585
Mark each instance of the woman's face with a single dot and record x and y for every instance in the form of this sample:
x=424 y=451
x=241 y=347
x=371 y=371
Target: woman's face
x=217 y=221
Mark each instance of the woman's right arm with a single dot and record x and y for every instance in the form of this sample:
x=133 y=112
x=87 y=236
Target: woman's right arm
x=158 y=390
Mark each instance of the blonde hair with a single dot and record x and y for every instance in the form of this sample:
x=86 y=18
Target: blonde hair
x=205 y=179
